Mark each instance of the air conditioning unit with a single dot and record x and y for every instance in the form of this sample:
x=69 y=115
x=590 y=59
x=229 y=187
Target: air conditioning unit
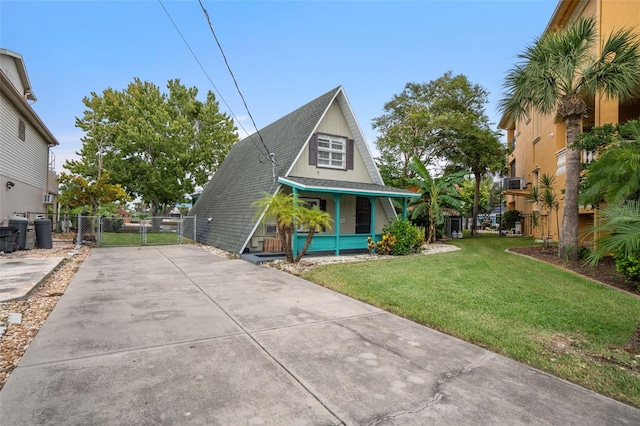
x=513 y=183
x=48 y=198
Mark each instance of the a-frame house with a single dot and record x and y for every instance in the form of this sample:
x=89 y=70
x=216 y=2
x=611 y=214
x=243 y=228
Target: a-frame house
x=320 y=154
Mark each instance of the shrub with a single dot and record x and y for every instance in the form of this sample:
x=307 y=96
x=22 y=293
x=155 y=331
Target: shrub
x=408 y=237
x=629 y=266
x=584 y=252
x=386 y=244
x=509 y=219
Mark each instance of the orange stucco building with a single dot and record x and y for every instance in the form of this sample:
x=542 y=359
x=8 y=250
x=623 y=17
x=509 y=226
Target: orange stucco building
x=537 y=143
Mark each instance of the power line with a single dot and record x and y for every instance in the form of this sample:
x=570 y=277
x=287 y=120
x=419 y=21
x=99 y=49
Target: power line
x=267 y=154
x=206 y=14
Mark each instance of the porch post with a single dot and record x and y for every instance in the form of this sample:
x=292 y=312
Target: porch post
x=336 y=198
x=372 y=200
x=404 y=208
x=294 y=238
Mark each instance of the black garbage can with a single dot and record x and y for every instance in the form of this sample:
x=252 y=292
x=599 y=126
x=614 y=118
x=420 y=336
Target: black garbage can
x=8 y=239
x=44 y=239
x=20 y=223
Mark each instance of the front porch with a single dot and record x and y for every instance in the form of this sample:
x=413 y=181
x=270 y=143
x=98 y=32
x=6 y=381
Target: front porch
x=339 y=239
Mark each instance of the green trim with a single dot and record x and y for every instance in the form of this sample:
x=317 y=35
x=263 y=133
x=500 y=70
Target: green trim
x=372 y=200
x=337 y=198
x=294 y=240
x=361 y=192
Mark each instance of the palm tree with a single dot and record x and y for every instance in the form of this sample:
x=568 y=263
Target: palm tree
x=315 y=220
x=289 y=212
x=557 y=73
x=545 y=196
x=436 y=193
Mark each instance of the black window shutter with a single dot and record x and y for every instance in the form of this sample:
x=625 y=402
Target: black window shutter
x=313 y=150
x=323 y=205
x=350 y=154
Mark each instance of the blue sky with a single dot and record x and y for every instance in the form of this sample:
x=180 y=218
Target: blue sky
x=283 y=53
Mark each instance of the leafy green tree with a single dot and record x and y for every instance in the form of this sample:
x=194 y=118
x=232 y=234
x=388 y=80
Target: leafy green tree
x=478 y=150
x=557 y=73
x=288 y=212
x=419 y=121
x=78 y=192
x=157 y=146
x=437 y=193
x=467 y=194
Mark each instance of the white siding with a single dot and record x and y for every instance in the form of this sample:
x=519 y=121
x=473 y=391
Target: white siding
x=8 y=65
x=25 y=161
x=21 y=198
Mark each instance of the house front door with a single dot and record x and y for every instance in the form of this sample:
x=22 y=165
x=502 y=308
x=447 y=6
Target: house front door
x=363 y=215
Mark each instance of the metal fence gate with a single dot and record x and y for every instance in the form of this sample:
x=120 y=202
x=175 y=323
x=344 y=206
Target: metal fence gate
x=114 y=231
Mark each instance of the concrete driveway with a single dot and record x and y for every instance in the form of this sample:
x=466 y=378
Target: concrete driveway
x=176 y=335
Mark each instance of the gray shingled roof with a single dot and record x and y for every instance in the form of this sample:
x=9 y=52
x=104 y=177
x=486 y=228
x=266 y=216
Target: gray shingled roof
x=245 y=175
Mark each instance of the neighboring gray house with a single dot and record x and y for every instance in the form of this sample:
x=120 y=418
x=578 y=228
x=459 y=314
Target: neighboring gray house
x=320 y=155
x=27 y=179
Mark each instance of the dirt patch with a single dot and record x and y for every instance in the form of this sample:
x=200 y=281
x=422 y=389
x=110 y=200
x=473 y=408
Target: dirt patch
x=605 y=272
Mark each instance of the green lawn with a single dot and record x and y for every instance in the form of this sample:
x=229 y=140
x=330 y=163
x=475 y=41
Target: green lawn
x=110 y=239
x=535 y=313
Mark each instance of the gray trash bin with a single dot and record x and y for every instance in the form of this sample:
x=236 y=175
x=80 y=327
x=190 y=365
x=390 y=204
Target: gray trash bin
x=20 y=223
x=8 y=239
x=44 y=239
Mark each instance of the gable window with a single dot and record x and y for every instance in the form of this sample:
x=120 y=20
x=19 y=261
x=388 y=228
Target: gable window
x=21 y=130
x=331 y=151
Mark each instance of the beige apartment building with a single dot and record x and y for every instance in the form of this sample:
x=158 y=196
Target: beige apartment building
x=537 y=143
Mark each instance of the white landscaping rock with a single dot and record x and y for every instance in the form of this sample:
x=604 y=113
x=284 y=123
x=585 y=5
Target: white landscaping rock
x=15 y=318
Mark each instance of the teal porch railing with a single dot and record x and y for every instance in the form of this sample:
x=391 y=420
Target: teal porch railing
x=329 y=242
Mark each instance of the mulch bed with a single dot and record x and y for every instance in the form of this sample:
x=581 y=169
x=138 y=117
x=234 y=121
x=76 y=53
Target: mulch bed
x=604 y=272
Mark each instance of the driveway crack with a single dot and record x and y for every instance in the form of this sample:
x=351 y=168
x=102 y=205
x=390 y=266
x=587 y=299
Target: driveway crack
x=437 y=389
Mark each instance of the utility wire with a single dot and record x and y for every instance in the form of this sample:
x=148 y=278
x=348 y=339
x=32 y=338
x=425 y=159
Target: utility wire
x=267 y=155
x=206 y=14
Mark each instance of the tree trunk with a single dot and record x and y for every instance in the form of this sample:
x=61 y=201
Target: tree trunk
x=307 y=242
x=286 y=237
x=633 y=345
x=476 y=201
x=568 y=244
x=432 y=229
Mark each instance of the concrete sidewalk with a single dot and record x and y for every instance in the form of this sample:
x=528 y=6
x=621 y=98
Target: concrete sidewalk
x=20 y=276
x=176 y=335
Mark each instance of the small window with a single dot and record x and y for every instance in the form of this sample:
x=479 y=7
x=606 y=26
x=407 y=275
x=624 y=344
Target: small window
x=271 y=229
x=21 y=130
x=332 y=151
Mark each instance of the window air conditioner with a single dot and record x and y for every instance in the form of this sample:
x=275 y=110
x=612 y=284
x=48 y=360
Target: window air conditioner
x=48 y=198
x=513 y=183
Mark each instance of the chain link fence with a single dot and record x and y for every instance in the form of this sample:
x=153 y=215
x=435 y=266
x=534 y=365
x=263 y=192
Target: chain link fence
x=114 y=231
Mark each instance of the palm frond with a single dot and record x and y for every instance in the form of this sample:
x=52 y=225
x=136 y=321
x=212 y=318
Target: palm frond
x=622 y=225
